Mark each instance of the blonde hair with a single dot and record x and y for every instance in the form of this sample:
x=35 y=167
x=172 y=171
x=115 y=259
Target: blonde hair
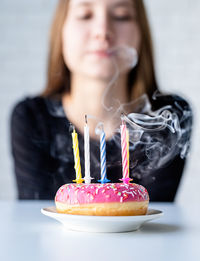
x=140 y=80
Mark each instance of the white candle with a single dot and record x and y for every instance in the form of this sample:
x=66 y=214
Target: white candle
x=87 y=177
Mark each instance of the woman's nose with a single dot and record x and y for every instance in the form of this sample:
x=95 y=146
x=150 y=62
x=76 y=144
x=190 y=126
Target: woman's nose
x=103 y=29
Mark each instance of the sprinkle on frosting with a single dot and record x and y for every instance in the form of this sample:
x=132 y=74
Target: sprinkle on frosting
x=99 y=193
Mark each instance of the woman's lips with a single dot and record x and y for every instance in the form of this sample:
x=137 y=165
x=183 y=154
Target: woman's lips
x=101 y=53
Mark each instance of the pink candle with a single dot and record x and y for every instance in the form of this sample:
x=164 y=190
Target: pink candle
x=124 y=147
x=124 y=151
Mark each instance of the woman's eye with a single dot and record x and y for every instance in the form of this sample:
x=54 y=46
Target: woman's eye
x=123 y=17
x=84 y=16
x=122 y=14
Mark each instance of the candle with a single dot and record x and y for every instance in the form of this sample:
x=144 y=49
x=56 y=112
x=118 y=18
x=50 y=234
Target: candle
x=77 y=164
x=127 y=139
x=125 y=153
x=87 y=177
x=103 y=157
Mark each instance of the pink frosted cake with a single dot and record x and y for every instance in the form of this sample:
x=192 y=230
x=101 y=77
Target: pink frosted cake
x=110 y=199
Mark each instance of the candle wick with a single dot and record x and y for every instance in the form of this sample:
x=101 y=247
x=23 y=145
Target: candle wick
x=85 y=118
x=122 y=118
x=71 y=127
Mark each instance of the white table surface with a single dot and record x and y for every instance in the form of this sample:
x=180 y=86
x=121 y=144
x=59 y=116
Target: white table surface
x=26 y=234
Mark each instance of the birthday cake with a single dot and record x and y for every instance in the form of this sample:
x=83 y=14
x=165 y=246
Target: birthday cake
x=109 y=199
x=105 y=199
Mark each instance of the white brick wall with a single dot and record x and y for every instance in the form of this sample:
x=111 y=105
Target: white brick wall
x=23 y=49
x=176 y=33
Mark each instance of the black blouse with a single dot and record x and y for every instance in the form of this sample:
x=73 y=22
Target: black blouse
x=43 y=157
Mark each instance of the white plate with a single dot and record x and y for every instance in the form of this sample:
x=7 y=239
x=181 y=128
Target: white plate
x=101 y=223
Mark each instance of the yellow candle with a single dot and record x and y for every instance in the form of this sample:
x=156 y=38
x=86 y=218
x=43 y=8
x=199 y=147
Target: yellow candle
x=127 y=140
x=77 y=164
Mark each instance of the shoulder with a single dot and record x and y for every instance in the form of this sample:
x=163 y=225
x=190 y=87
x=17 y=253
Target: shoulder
x=29 y=116
x=29 y=109
x=159 y=100
x=29 y=105
x=176 y=104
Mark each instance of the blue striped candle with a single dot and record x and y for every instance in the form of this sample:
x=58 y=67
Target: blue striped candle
x=103 y=158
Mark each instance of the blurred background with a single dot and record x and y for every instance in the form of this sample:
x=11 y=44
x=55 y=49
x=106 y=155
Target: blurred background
x=24 y=32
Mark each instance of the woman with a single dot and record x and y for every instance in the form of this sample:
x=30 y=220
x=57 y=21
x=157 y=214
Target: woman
x=85 y=77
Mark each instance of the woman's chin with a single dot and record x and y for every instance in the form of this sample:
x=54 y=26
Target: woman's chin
x=101 y=72
x=103 y=76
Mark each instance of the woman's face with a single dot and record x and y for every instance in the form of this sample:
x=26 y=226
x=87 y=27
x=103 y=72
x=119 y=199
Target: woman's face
x=93 y=31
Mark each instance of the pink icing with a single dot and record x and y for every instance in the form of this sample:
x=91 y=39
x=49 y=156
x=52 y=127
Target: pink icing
x=100 y=193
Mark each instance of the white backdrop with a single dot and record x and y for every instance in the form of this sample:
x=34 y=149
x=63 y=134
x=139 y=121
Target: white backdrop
x=23 y=50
